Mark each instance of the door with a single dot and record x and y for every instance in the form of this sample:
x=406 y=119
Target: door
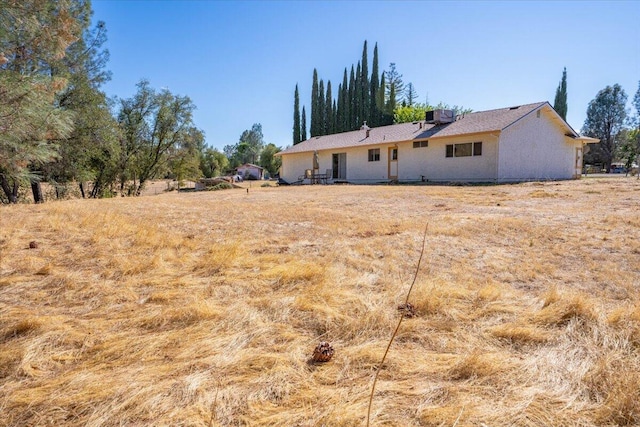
x=393 y=162
x=578 y=168
x=339 y=165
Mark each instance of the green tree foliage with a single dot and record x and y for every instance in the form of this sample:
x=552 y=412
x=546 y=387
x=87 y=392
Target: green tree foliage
x=343 y=104
x=410 y=113
x=374 y=85
x=351 y=99
x=322 y=111
x=303 y=125
x=269 y=160
x=628 y=148
x=315 y=107
x=213 y=163
x=386 y=118
x=248 y=148
x=154 y=126
x=416 y=112
x=357 y=99
x=605 y=118
x=329 y=117
x=296 y=117
x=185 y=157
x=91 y=151
x=394 y=88
x=34 y=35
x=365 y=96
x=410 y=95
x=560 y=103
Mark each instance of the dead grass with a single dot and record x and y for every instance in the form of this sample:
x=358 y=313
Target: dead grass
x=203 y=309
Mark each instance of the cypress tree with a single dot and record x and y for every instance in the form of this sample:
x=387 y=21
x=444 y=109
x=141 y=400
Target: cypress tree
x=385 y=119
x=296 y=117
x=364 y=85
x=314 y=105
x=560 y=103
x=329 y=119
x=303 y=126
x=344 y=125
x=391 y=102
x=339 y=111
x=334 y=118
x=322 y=122
x=358 y=98
x=351 y=100
x=373 y=100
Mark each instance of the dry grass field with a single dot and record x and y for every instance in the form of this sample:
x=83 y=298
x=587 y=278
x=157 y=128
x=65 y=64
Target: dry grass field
x=203 y=309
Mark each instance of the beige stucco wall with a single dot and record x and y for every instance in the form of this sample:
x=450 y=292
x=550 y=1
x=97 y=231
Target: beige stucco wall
x=432 y=163
x=413 y=163
x=535 y=148
x=359 y=168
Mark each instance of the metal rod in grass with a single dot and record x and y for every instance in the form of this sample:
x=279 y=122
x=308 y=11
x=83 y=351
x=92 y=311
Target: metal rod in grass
x=395 y=332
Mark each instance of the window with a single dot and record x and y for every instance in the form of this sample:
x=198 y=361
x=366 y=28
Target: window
x=449 y=150
x=394 y=154
x=464 y=150
x=477 y=148
x=374 y=155
x=420 y=144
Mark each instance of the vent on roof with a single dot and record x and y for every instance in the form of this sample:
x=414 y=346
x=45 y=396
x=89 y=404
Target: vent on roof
x=514 y=108
x=440 y=116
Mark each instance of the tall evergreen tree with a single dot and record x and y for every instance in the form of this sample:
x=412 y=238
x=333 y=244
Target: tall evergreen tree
x=339 y=110
x=296 y=117
x=322 y=111
x=315 y=111
x=329 y=116
x=410 y=95
x=560 y=103
x=374 y=116
x=358 y=97
x=34 y=37
x=394 y=80
x=385 y=117
x=346 y=113
x=353 y=121
x=334 y=118
x=303 y=126
x=364 y=85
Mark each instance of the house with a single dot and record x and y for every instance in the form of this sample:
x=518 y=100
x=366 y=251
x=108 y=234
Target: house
x=250 y=171
x=519 y=143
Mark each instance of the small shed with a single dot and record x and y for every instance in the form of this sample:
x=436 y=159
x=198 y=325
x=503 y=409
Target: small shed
x=250 y=171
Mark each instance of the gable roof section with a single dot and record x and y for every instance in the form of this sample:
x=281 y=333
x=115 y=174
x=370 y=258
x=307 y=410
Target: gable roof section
x=471 y=123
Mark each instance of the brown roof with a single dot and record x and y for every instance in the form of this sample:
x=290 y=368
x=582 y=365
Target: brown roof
x=470 y=123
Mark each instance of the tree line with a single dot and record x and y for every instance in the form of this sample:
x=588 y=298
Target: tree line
x=58 y=126
x=608 y=120
x=379 y=99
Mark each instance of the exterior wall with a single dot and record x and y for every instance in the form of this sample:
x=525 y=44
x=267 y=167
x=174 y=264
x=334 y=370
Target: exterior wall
x=535 y=148
x=255 y=172
x=413 y=163
x=432 y=164
x=359 y=168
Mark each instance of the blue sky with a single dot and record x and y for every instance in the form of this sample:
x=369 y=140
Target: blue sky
x=240 y=61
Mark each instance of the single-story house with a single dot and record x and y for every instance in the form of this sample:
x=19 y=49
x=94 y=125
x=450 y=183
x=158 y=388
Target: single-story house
x=519 y=143
x=250 y=171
